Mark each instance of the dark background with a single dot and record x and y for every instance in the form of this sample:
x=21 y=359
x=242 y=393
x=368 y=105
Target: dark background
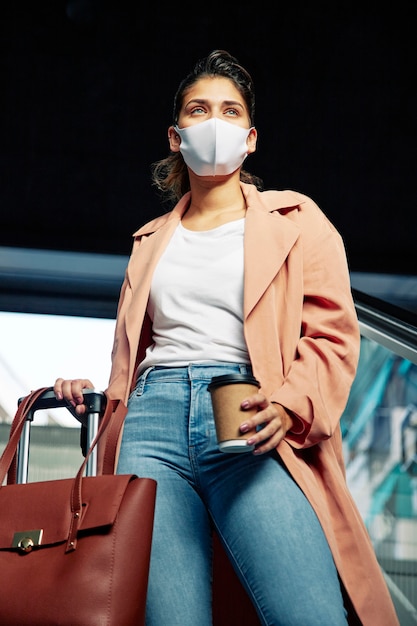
x=87 y=90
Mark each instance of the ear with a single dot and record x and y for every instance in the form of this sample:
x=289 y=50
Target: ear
x=251 y=140
x=174 y=139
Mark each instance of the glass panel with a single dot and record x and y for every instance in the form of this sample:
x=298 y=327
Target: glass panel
x=379 y=428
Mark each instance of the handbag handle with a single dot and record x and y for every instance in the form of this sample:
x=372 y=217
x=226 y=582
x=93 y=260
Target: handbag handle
x=76 y=492
x=8 y=458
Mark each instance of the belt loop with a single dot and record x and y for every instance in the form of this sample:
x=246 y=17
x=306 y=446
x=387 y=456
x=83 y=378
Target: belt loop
x=142 y=380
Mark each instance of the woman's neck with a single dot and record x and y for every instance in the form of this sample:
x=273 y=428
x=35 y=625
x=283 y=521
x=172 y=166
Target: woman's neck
x=213 y=205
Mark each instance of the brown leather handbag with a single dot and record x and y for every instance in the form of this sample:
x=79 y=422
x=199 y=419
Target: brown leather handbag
x=73 y=552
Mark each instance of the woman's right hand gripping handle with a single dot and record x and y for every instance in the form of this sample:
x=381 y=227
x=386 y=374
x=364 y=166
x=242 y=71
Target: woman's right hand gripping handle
x=72 y=392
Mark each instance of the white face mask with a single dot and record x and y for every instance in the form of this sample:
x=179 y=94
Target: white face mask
x=213 y=147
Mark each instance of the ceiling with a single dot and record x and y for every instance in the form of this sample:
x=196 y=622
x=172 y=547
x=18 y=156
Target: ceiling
x=87 y=89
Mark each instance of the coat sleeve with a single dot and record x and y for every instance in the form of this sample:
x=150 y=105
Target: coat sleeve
x=318 y=382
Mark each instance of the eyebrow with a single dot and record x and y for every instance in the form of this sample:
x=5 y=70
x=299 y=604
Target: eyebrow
x=205 y=101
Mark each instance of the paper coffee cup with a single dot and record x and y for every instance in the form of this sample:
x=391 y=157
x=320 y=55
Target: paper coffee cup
x=227 y=393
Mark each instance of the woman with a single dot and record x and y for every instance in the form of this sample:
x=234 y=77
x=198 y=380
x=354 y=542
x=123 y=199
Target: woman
x=235 y=280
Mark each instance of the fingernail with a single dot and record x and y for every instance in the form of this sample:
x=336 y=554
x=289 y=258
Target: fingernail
x=244 y=428
x=245 y=404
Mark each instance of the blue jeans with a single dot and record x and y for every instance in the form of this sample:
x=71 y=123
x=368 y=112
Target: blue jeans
x=268 y=528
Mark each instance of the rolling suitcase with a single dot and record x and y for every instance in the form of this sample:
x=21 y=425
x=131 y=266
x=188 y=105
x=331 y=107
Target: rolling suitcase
x=73 y=551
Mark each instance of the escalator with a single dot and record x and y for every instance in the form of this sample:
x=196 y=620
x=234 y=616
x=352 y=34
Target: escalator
x=379 y=428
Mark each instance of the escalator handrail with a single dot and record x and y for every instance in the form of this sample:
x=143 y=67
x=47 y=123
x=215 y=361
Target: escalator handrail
x=389 y=325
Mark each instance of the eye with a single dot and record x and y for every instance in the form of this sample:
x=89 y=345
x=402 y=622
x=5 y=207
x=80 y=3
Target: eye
x=232 y=112
x=198 y=110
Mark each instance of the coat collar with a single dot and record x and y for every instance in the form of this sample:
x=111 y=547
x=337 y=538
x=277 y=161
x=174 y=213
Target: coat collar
x=266 y=201
x=269 y=236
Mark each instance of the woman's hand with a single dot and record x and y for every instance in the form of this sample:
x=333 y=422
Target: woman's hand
x=273 y=418
x=72 y=391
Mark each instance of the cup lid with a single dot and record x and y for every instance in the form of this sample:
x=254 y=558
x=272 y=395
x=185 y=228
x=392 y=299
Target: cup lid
x=229 y=379
x=235 y=446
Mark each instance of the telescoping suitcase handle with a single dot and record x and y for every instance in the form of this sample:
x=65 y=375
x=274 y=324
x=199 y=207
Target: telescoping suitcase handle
x=95 y=403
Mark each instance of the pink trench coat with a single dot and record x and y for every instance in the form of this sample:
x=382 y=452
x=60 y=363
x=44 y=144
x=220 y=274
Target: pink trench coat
x=296 y=278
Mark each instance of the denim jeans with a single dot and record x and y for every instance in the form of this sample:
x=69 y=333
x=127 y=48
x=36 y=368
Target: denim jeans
x=268 y=528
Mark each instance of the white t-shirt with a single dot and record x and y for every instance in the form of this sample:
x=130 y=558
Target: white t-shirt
x=196 y=298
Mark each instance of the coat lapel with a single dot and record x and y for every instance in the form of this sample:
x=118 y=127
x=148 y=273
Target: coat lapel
x=153 y=239
x=269 y=236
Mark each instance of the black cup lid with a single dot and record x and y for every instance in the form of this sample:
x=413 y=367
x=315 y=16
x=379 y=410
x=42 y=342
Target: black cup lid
x=229 y=379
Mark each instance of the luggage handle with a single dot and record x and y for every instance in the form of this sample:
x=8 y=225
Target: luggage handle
x=95 y=403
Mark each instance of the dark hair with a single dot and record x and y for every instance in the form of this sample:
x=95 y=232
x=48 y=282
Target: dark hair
x=170 y=175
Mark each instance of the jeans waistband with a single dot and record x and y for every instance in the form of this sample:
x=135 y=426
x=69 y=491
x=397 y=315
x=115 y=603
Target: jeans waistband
x=193 y=371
